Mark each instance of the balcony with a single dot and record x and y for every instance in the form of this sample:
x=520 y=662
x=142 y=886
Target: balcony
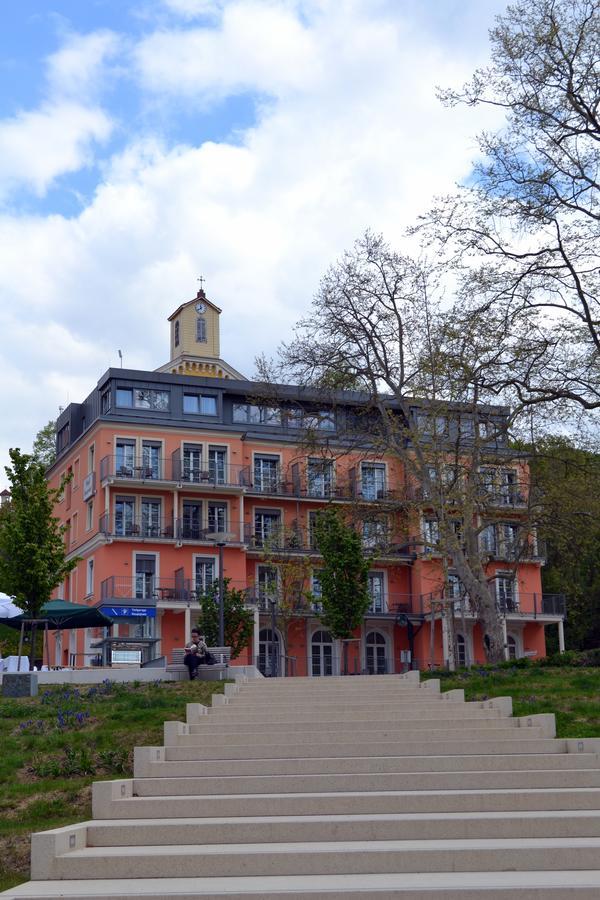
x=173 y=471
x=205 y=533
x=136 y=529
x=147 y=590
x=278 y=540
x=525 y=604
x=507 y=551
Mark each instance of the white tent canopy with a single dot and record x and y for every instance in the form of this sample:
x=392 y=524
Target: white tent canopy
x=8 y=608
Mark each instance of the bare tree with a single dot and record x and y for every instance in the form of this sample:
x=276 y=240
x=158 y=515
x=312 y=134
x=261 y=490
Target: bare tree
x=424 y=398
x=524 y=233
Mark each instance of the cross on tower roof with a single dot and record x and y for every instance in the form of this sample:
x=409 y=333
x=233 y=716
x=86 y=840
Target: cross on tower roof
x=201 y=293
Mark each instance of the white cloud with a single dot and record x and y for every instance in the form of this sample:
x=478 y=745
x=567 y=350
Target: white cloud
x=257 y=46
x=352 y=137
x=39 y=145
x=78 y=69
x=193 y=9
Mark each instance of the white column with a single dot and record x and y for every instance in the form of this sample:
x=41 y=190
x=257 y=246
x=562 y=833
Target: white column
x=447 y=657
x=561 y=636
x=505 y=637
x=188 y=623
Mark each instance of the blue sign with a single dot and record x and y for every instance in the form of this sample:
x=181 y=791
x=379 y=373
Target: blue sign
x=118 y=611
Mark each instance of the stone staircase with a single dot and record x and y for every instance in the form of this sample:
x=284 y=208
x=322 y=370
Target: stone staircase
x=360 y=787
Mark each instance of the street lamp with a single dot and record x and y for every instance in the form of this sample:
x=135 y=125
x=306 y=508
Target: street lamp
x=221 y=545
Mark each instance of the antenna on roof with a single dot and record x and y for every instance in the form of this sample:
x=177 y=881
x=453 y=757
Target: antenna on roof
x=120 y=357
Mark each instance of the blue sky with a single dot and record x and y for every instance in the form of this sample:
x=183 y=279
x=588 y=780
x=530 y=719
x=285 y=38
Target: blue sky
x=145 y=141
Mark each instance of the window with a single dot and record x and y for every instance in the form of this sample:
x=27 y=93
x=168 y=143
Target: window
x=372 y=477
x=487 y=538
x=200 y=404
x=319 y=475
x=267 y=526
x=217 y=518
x=509 y=487
x=105 y=402
x=375 y=652
x=62 y=438
x=125 y=517
x=506 y=595
x=200 y=330
x=192 y=520
x=125 y=458
x=91 y=458
x=374 y=534
x=511 y=644
x=176 y=332
x=466 y=428
x=431 y=535
x=142 y=398
x=89 y=516
x=266 y=473
x=510 y=540
x=295 y=417
x=322 y=420
x=151 y=518
x=206 y=573
x=316 y=591
x=256 y=415
x=192 y=462
x=267 y=578
x=74 y=527
x=375 y=587
x=217 y=465
x=461 y=650
x=89 y=580
x=150 y=460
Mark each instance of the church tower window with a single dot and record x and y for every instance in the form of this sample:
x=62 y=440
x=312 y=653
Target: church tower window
x=201 y=330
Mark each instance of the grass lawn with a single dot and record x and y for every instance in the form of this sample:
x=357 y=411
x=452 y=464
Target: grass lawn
x=55 y=745
x=573 y=694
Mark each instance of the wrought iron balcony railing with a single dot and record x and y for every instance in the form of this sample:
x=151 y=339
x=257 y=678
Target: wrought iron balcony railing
x=136 y=528
x=147 y=590
x=131 y=469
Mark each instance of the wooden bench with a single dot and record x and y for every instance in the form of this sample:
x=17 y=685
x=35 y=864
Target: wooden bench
x=215 y=672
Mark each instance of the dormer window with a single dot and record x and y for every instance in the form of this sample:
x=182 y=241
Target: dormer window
x=176 y=333
x=201 y=330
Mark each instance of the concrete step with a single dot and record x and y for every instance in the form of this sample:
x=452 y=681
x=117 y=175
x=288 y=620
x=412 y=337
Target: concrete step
x=149 y=761
x=376 y=781
x=200 y=736
x=207 y=725
x=332 y=828
x=225 y=717
x=289 y=750
x=531 y=885
x=347 y=803
x=314 y=858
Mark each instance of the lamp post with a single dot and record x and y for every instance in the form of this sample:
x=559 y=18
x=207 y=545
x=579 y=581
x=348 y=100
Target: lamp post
x=221 y=545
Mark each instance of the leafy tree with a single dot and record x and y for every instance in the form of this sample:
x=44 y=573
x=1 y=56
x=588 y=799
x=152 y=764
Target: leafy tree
x=290 y=573
x=524 y=232
x=567 y=479
x=239 y=621
x=44 y=445
x=32 y=548
x=429 y=398
x=344 y=577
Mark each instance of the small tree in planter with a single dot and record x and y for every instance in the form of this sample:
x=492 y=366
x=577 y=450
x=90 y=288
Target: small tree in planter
x=239 y=621
x=344 y=582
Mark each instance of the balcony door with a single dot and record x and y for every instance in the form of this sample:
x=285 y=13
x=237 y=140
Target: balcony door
x=322 y=653
x=372 y=481
x=266 y=473
x=150 y=518
x=375 y=653
x=192 y=520
x=125 y=458
x=266 y=527
x=192 y=464
x=268 y=652
x=375 y=586
x=145 y=576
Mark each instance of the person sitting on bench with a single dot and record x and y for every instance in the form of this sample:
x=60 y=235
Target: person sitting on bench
x=196 y=654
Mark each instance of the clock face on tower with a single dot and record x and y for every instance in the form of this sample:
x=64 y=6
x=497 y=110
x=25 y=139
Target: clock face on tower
x=200 y=307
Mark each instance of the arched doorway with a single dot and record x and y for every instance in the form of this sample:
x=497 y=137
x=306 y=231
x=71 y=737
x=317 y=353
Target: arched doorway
x=512 y=646
x=269 y=653
x=375 y=651
x=322 y=653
